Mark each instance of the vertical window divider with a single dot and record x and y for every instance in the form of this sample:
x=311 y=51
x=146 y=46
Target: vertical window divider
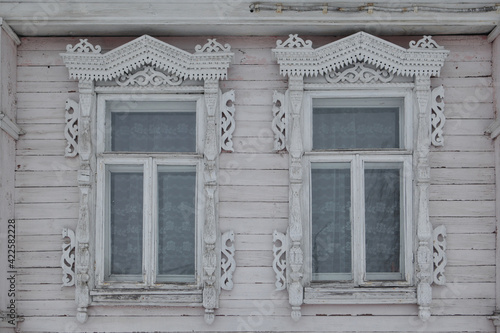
x=153 y=219
x=358 y=227
x=146 y=222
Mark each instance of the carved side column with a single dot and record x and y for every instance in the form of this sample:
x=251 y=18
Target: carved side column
x=296 y=150
x=85 y=178
x=210 y=258
x=424 y=227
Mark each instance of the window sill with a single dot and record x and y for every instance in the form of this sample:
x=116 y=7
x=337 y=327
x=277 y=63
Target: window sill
x=329 y=295
x=186 y=297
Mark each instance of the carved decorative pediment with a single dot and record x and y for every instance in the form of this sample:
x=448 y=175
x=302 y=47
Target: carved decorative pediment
x=85 y=62
x=423 y=58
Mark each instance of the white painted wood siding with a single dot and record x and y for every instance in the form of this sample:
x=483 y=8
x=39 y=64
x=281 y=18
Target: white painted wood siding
x=254 y=201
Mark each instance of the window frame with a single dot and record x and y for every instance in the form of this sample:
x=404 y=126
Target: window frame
x=150 y=161
x=336 y=289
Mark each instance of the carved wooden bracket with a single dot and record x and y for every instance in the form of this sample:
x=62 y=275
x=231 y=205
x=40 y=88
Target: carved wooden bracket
x=437 y=116
x=71 y=128
x=228 y=264
x=280 y=121
x=279 y=262
x=440 y=258
x=227 y=122
x=68 y=258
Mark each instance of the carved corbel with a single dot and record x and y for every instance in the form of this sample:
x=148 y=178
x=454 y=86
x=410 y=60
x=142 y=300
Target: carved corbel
x=280 y=120
x=68 y=258
x=71 y=128
x=227 y=121
x=437 y=116
x=228 y=264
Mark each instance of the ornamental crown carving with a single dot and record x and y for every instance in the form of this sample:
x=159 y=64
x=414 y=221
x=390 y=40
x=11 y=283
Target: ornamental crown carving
x=423 y=58
x=294 y=42
x=85 y=62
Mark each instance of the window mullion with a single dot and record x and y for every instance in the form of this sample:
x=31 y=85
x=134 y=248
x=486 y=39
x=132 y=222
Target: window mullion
x=148 y=247
x=358 y=226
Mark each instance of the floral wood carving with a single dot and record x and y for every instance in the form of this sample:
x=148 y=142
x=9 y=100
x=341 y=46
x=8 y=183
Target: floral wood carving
x=294 y=42
x=440 y=258
x=148 y=76
x=227 y=122
x=279 y=262
x=437 y=116
x=71 y=128
x=425 y=43
x=212 y=46
x=83 y=47
x=68 y=258
x=279 y=124
x=360 y=73
x=228 y=264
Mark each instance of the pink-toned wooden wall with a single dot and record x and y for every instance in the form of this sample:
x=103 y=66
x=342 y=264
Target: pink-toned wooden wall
x=254 y=201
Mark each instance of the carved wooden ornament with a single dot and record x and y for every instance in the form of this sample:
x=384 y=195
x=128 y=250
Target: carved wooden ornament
x=68 y=258
x=142 y=65
x=358 y=61
x=71 y=128
x=437 y=116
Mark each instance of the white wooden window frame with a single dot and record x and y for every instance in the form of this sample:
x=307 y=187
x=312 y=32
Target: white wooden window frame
x=356 y=158
x=354 y=65
x=149 y=164
x=148 y=68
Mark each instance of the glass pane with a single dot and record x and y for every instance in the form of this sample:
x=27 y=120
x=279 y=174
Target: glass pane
x=344 y=126
x=153 y=126
x=176 y=222
x=331 y=220
x=383 y=218
x=126 y=212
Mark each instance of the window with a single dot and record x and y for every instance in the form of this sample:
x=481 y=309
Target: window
x=359 y=162
x=148 y=229
x=356 y=122
x=148 y=187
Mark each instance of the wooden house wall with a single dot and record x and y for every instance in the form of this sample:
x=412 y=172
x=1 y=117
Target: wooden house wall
x=8 y=80
x=254 y=201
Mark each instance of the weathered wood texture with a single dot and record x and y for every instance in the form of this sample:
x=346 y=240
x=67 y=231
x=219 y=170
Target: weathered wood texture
x=254 y=201
x=8 y=58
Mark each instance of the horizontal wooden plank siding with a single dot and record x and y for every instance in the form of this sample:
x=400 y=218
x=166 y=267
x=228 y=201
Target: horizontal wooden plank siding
x=253 y=201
